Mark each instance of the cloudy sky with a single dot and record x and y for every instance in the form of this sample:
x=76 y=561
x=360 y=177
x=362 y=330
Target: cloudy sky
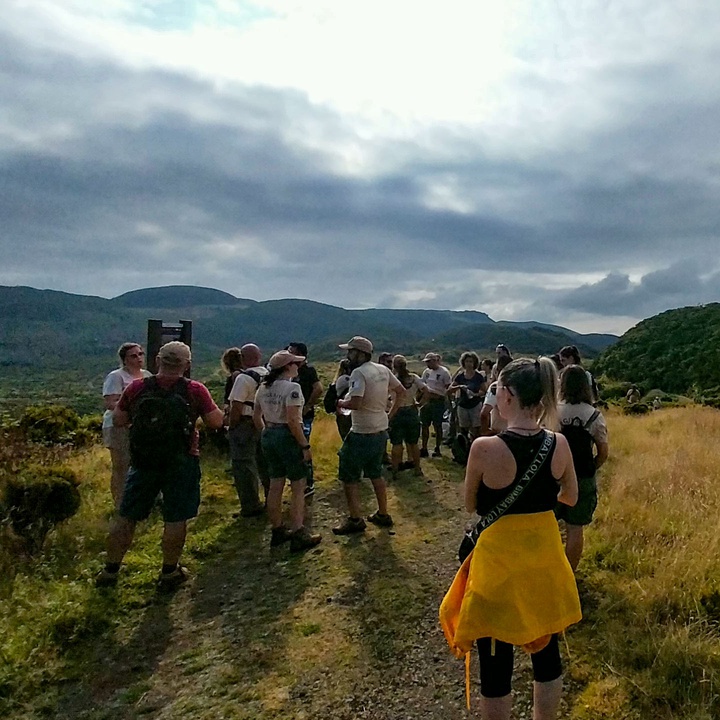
x=534 y=159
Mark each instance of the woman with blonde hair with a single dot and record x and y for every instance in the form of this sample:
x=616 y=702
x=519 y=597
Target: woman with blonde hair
x=117 y=439
x=520 y=588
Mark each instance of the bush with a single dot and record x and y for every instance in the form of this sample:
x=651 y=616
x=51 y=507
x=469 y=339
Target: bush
x=39 y=498
x=636 y=409
x=55 y=425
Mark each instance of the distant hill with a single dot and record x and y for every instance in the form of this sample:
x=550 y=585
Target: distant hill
x=50 y=329
x=677 y=351
x=177 y=296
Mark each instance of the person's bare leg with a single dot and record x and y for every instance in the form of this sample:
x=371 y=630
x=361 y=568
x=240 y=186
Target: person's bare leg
x=297 y=504
x=495 y=708
x=438 y=435
x=120 y=465
x=274 y=501
x=546 y=699
x=173 y=541
x=352 y=495
x=425 y=436
x=414 y=455
x=574 y=540
x=120 y=538
x=380 y=488
x=396 y=458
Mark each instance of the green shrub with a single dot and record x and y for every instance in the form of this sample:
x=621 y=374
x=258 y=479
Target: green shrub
x=636 y=409
x=37 y=499
x=55 y=425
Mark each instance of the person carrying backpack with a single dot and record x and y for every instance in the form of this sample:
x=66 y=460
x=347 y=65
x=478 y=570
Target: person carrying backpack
x=586 y=432
x=248 y=466
x=164 y=458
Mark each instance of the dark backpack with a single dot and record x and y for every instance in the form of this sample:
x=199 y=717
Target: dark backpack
x=460 y=448
x=162 y=424
x=581 y=444
x=331 y=398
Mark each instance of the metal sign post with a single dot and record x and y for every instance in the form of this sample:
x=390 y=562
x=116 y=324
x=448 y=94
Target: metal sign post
x=158 y=334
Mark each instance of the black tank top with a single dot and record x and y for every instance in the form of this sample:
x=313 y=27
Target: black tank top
x=540 y=495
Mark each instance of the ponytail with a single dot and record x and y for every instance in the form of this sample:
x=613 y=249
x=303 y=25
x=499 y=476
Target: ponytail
x=534 y=383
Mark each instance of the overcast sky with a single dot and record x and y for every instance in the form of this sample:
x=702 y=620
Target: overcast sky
x=533 y=159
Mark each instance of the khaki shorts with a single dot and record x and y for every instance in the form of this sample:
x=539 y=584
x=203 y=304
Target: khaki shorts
x=117 y=438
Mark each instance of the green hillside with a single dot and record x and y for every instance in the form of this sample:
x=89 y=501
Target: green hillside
x=677 y=351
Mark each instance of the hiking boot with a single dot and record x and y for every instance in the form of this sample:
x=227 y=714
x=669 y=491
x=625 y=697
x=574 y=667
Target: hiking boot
x=436 y=452
x=251 y=512
x=424 y=452
x=380 y=520
x=350 y=526
x=172 y=580
x=303 y=539
x=279 y=536
x=106 y=579
x=407 y=465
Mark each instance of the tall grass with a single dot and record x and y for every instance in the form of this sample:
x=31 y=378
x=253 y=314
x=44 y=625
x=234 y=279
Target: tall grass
x=650 y=578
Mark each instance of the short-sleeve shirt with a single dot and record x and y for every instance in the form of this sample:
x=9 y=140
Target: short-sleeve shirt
x=373 y=383
x=583 y=411
x=274 y=400
x=201 y=402
x=244 y=389
x=115 y=384
x=412 y=385
x=437 y=381
x=474 y=384
x=307 y=377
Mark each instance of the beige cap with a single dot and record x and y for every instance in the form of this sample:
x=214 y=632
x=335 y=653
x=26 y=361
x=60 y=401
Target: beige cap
x=358 y=343
x=174 y=354
x=431 y=356
x=283 y=358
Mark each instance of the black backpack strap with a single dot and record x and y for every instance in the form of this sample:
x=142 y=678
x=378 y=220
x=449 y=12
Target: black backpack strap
x=591 y=420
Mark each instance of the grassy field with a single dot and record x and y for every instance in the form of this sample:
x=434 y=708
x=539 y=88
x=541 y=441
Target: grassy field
x=350 y=630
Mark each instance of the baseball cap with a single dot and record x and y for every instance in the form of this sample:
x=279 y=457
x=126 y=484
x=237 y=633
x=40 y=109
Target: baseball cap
x=358 y=343
x=174 y=354
x=431 y=356
x=283 y=358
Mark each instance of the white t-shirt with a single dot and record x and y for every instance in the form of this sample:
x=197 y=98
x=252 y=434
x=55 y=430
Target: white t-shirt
x=244 y=389
x=342 y=384
x=437 y=380
x=583 y=411
x=409 y=395
x=275 y=400
x=373 y=383
x=115 y=384
x=497 y=422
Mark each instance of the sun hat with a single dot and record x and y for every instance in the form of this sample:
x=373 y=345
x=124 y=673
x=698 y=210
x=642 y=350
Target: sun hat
x=174 y=354
x=358 y=343
x=283 y=358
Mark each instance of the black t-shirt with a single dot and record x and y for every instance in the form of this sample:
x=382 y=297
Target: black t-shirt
x=540 y=495
x=474 y=384
x=307 y=377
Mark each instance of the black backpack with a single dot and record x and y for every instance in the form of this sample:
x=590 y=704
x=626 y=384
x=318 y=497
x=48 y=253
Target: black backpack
x=162 y=424
x=581 y=444
x=460 y=448
x=331 y=398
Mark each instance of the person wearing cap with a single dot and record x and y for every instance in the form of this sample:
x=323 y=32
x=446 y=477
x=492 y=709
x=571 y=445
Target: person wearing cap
x=248 y=466
x=179 y=481
x=312 y=390
x=437 y=380
x=278 y=414
x=362 y=452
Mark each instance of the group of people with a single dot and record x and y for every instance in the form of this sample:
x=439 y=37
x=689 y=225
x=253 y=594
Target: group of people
x=536 y=437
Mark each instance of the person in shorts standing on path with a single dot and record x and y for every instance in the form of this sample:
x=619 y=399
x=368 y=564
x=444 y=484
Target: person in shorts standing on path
x=471 y=387
x=116 y=439
x=312 y=391
x=278 y=413
x=437 y=380
x=248 y=466
x=172 y=469
x=584 y=427
x=362 y=452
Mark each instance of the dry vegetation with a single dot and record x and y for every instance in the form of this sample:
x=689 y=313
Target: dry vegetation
x=349 y=630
